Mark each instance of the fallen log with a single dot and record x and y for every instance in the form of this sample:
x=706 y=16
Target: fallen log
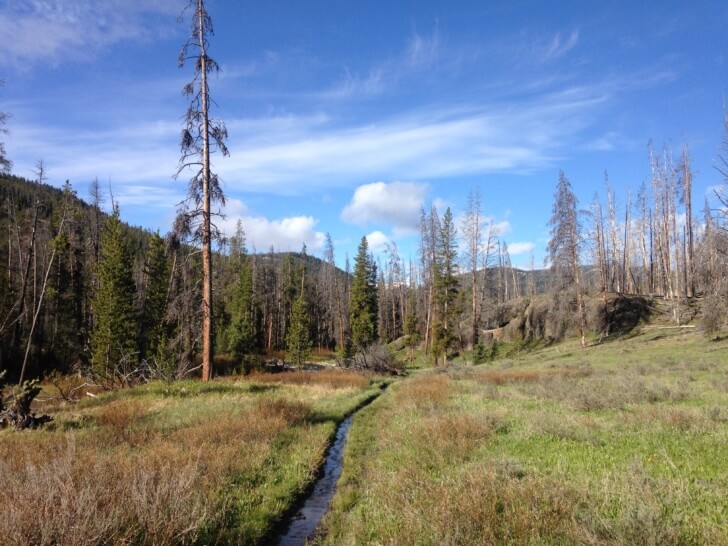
x=19 y=415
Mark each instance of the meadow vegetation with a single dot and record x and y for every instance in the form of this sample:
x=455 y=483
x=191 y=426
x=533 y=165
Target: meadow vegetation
x=622 y=442
x=618 y=443
x=172 y=463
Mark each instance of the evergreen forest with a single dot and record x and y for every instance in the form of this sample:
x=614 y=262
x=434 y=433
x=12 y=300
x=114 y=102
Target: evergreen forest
x=83 y=291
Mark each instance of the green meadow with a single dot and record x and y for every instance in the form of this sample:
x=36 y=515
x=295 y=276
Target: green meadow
x=619 y=443
x=622 y=442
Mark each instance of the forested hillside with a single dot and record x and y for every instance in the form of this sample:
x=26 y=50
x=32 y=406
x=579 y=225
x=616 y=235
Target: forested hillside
x=83 y=290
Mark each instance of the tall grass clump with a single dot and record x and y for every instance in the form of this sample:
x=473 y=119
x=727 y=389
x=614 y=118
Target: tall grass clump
x=169 y=464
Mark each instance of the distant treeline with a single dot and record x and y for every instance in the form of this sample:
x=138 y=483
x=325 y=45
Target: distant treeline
x=81 y=289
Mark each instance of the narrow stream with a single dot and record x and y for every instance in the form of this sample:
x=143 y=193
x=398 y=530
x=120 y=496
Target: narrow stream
x=303 y=524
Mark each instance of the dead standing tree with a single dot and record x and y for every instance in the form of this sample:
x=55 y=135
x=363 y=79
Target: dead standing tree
x=472 y=230
x=201 y=136
x=5 y=163
x=565 y=248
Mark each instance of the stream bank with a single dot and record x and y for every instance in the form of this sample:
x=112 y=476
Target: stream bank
x=303 y=520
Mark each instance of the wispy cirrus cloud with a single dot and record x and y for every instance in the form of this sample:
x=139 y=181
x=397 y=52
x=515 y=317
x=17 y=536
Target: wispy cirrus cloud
x=354 y=86
x=294 y=154
x=422 y=50
x=559 y=45
x=427 y=143
x=134 y=153
x=59 y=30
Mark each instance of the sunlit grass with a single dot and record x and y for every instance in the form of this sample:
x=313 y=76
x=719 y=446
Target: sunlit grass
x=621 y=443
x=171 y=463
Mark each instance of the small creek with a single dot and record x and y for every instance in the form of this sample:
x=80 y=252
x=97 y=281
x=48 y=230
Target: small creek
x=303 y=523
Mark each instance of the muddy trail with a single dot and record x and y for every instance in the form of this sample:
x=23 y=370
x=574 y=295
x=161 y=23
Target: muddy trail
x=302 y=525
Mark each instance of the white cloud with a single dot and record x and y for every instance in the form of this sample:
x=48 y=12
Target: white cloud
x=423 y=50
x=397 y=204
x=59 y=30
x=558 y=46
x=422 y=145
x=293 y=154
x=500 y=228
x=514 y=249
x=441 y=205
x=261 y=233
x=377 y=242
x=139 y=153
x=353 y=85
x=162 y=196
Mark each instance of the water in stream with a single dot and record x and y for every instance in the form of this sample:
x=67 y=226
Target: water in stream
x=304 y=522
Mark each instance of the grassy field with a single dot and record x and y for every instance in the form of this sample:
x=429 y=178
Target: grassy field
x=621 y=443
x=180 y=463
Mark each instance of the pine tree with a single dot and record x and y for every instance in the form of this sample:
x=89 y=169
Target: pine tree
x=298 y=341
x=200 y=136
x=412 y=334
x=156 y=278
x=363 y=305
x=564 y=250
x=113 y=338
x=241 y=334
x=446 y=287
x=287 y=292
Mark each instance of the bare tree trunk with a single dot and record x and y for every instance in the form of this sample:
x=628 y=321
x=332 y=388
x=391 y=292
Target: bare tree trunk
x=626 y=257
x=531 y=282
x=39 y=304
x=26 y=274
x=615 y=273
x=473 y=231
x=644 y=225
x=689 y=242
x=198 y=138
x=600 y=247
x=207 y=348
x=574 y=247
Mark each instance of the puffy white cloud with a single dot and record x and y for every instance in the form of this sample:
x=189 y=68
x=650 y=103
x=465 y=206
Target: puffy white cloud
x=500 y=228
x=514 y=249
x=377 y=241
x=397 y=204
x=261 y=233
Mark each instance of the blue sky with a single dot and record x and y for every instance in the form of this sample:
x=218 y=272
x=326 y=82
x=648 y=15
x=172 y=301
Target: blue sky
x=347 y=116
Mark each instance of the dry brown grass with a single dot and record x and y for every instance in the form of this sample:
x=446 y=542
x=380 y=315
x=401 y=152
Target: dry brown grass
x=335 y=379
x=680 y=419
x=476 y=505
x=450 y=437
x=128 y=476
x=425 y=391
x=121 y=414
x=73 y=497
x=291 y=412
x=504 y=377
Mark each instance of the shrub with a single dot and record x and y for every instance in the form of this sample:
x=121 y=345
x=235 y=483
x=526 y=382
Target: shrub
x=485 y=353
x=375 y=358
